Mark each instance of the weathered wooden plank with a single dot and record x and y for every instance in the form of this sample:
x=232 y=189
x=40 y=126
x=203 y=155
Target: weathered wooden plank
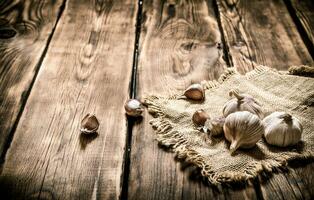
x=304 y=12
x=25 y=30
x=86 y=70
x=261 y=32
x=305 y=179
x=284 y=186
x=180 y=41
x=178 y=46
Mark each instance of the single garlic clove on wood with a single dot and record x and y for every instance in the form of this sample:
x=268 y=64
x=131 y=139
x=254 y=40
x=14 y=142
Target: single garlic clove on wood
x=89 y=124
x=133 y=107
x=195 y=92
x=215 y=126
x=282 y=129
x=199 y=117
x=242 y=102
x=243 y=130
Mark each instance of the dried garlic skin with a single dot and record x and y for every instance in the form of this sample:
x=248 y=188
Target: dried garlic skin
x=89 y=124
x=199 y=117
x=195 y=92
x=242 y=102
x=215 y=126
x=133 y=107
x=243 y=130
x=282 y=129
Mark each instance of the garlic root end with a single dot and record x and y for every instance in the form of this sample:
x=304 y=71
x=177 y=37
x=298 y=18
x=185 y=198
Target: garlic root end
x=286 y=117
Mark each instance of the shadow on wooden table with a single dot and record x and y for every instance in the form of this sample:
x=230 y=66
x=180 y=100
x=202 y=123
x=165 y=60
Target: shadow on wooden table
x=14 y=188
x=85 y=139
x=194 y=174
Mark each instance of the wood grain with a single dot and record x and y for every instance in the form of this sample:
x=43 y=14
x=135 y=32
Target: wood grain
x=179 y=42
x=304 y=12
x=304 y=177
x=25 y=29
x=283 y=186
x=261 y=32
x=86 y=70
x=178 y=46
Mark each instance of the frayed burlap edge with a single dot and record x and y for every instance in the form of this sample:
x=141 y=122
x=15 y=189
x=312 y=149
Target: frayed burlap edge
x=172 y=139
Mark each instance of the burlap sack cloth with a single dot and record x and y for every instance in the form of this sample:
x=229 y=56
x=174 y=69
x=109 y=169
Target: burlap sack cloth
x=276 y=91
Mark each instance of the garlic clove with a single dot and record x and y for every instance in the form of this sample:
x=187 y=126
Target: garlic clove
x=89 y=124
x=199 y=117
x=243 y=130
x=133 y=107
x=215 y=126
x=195 y=92
x=282 y=129
x=242 y=102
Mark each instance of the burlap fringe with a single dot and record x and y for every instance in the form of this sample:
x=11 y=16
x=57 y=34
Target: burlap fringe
x=172 y=139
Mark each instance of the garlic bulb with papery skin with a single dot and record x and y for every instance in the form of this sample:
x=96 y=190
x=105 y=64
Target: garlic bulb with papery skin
x=133 y=107
x=195 y=92
x=242 y=102
x=215 y=126
x=199 y=117
x=282 y=129
x=243 y=130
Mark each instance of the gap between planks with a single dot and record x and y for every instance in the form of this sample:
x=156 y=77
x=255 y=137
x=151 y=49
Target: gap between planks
x=132 y=93
x=27 y=93
x=304 y=35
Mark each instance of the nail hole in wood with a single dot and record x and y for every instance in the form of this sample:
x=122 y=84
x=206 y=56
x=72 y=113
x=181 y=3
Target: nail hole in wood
x=219 y=45
x=188 y=46
x=171 y=10
x=6 y=33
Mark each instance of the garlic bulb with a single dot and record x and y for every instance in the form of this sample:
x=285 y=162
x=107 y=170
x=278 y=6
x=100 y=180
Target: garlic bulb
x=199 y=117
x=242 y=102
x=215 y=126
x=195 y=92
x=243 y=129
x=281 y=129
x=89 y=124
x=133 y=107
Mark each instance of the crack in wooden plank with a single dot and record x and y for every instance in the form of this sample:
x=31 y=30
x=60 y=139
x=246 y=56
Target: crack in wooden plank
x=227 y=54
x=263 y=33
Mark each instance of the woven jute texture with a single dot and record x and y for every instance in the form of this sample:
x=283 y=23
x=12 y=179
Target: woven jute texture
x=276 y=91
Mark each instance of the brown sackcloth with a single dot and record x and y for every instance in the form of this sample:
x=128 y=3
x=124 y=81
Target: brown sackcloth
x=276 y=91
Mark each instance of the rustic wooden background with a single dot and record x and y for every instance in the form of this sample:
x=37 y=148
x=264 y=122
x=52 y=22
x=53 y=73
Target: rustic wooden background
x=61 y=59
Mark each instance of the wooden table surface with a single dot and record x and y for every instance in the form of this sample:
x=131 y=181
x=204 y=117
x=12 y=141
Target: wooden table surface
x=62 y=59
